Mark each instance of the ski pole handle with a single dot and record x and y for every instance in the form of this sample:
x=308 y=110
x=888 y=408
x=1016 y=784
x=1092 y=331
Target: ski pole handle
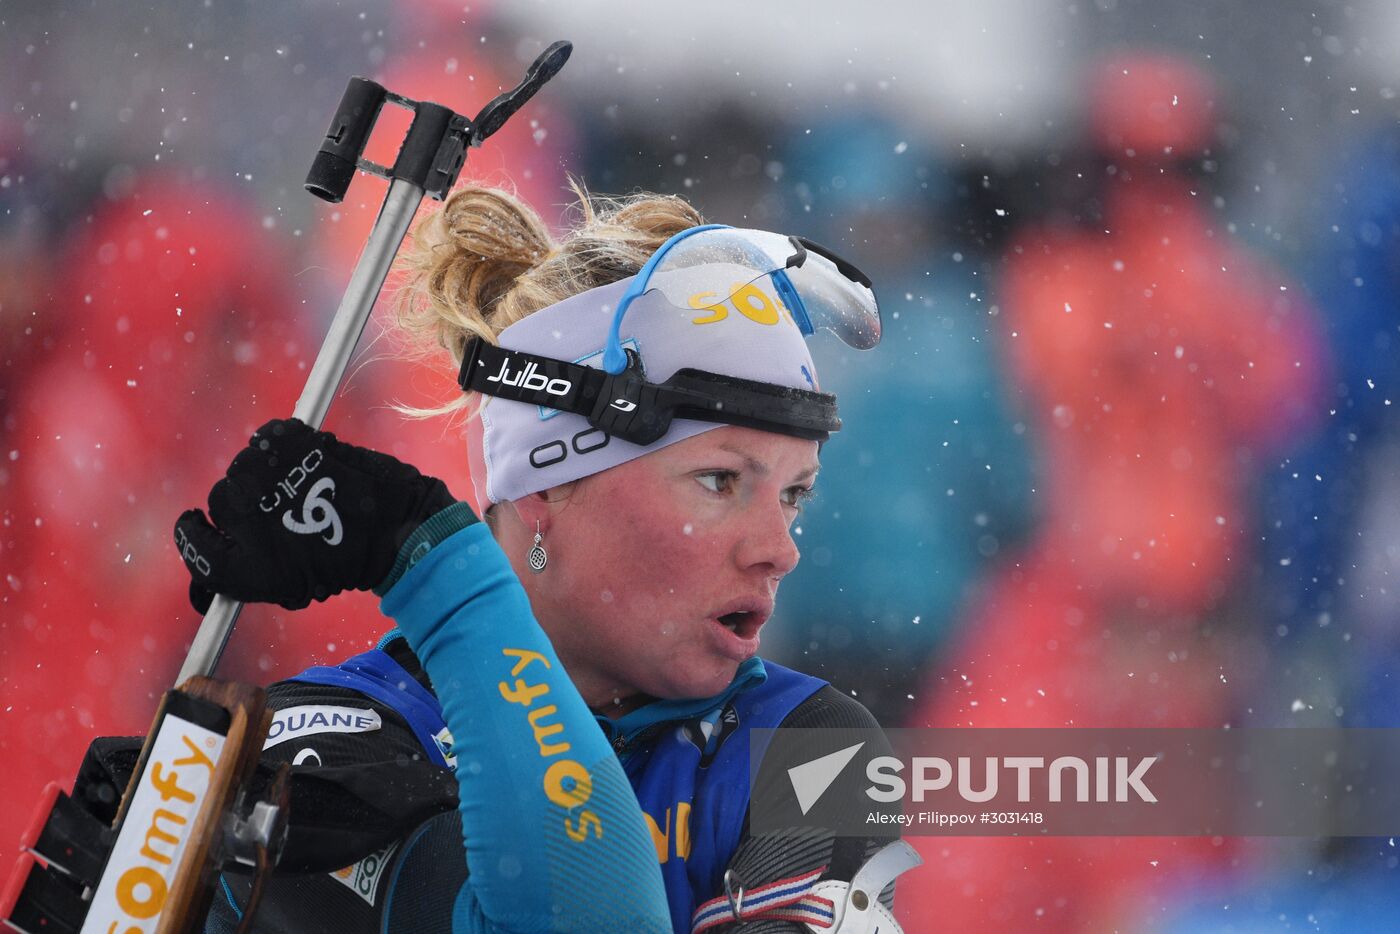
x=428 y=162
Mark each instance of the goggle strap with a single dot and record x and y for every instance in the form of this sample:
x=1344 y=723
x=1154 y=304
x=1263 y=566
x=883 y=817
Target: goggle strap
x=800 y=408
x=629 y=407
x=843 y=266
x=526 y=377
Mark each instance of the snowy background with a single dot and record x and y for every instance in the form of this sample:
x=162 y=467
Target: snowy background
x=1127 y=456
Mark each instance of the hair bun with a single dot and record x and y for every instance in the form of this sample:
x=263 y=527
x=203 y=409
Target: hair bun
x=486 y=259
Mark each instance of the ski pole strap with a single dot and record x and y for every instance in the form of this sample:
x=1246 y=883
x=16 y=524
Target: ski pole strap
x=785 y=900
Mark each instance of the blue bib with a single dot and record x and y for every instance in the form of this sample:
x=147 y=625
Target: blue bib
x=693 y=784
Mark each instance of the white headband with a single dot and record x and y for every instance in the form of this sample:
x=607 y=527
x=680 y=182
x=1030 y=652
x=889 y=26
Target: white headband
x=515 y=448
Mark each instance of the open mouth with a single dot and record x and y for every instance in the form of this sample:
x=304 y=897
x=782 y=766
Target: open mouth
x=743 y=623
x=731 y=621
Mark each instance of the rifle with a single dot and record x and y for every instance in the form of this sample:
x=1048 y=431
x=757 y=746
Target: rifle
x=187 y=811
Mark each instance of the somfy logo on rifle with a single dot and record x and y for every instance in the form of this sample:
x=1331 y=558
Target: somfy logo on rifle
x=163 y=813
x=317 y=513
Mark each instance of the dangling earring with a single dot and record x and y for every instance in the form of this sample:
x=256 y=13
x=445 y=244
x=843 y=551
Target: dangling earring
x=538 y=557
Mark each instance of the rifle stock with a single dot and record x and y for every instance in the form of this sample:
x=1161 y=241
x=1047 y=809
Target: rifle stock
x=178 y=823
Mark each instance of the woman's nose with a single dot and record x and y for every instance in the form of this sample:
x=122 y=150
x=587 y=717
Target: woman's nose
x=767 y=540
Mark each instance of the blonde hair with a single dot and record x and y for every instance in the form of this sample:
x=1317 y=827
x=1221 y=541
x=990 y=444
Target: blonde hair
x=486 y=260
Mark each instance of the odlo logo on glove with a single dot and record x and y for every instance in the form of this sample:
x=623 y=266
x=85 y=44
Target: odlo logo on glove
x=317 y=513
x=189 y=553
x=271 y=532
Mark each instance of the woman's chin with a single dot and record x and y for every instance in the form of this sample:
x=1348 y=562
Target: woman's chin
x=718 y=675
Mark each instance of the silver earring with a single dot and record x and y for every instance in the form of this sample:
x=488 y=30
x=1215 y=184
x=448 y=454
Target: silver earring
x=538 y=557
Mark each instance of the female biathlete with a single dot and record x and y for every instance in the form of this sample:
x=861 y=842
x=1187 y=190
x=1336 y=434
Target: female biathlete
x=573 y=675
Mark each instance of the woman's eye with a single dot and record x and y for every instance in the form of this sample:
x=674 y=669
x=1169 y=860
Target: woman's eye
x=798 y=496
x=716 y=481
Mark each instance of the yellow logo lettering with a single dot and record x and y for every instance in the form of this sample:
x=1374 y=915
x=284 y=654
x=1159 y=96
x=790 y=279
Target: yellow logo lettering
x=662 y=841
x=149 y=902
x=546 y=731
x=680 y=831
x=746 y=298
x=568 y=784
x=168 y=785
x=155 y=833
x=586 y=821
x=523 y=658
x=522 y=694
x=700 y=300
x=683 y=829
x=196 y=756
x=753 y=303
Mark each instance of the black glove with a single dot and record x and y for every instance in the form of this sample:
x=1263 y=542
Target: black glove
x=301 y=516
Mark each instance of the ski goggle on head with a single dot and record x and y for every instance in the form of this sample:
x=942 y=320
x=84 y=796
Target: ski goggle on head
x=710 y=331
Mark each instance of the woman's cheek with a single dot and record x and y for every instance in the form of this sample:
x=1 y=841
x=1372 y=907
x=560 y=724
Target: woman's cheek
x=695 y=551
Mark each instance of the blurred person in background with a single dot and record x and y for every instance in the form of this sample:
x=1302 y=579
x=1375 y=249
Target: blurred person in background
x=1163 y=365
x=930 y=429
x=1332 y=535
x=27 y=243
x=1330 y=544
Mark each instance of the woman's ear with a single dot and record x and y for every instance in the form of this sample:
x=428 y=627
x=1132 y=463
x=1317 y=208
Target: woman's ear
x=532 y=508
x=542 y=507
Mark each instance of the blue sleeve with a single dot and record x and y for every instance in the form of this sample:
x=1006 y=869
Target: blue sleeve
x=555 y=839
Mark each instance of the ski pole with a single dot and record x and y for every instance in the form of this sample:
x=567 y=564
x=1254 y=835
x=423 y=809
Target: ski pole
x=428 y=162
